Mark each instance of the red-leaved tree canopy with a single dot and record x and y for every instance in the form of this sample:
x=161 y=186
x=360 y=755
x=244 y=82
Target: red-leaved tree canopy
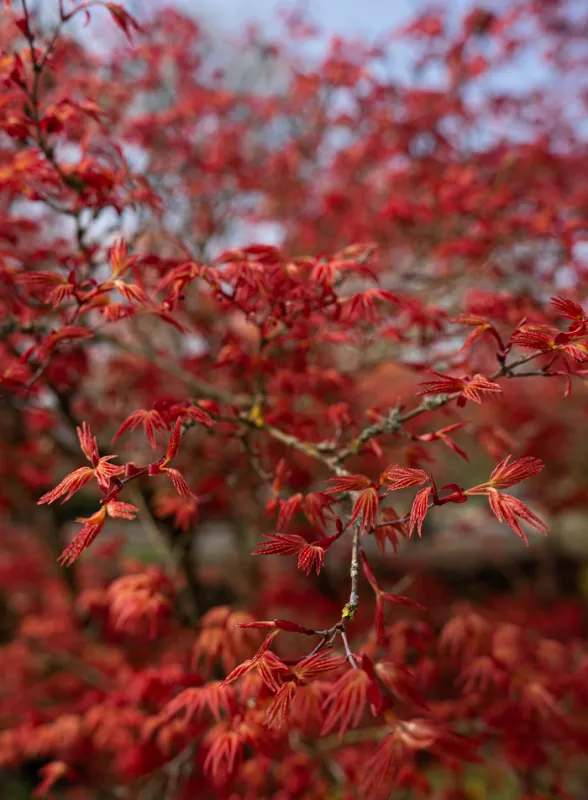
x=398 y=378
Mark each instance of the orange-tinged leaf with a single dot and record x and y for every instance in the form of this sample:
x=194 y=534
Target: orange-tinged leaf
x=198 y=415
x=311 y=667
x=288 y=509
x=483 y=674
x=280 y=544
x=442 y=435
x=71 y=484
x=179 y=482
x=92 y=527
x=348 y=483
x=511 y=509
x=505 y=475
x=419 y=510
x=54 y=339
x=390 y=530
x=568 y=308
x=278 y=711
x=225 y=754
x=266 y=662
x=345 y=704
x=152 y=423
x=469 y=387
x=123 y=19
x=215 y=696
x=51 y=774
x=365 y=509
x=310 y=554
x=400 y=477
x=174 y=441
x=400 y=681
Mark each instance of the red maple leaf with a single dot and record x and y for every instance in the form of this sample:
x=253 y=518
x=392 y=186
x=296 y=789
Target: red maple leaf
x=383 y=597
x=269 y=666
x=305 y=671
x=442 y=435
x=348 y=483
x=92 y=527
x=390 y=530
x=365 y=510
x=215 y=696
x=54 y=339
x=51 y=287
x=569 y=309
x=288 y=509
x=511 y=509
x=469 y=387
x=546 y=340
x=403 y=477
x=161 y=467
x=481 y=326
x=101 y=469
x=51 y=774
x=419 y=510
x=310 y=554
x=123 y=19
x=505 y=475
x=152 y=423
x=345 y=704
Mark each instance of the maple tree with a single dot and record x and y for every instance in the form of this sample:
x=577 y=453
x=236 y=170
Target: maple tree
x=165 y=375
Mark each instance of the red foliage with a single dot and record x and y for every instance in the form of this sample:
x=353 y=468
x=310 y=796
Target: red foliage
x=430 y=225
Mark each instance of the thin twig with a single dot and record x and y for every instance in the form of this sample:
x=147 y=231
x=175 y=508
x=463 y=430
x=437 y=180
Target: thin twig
x=348 y=653
x=351 y=606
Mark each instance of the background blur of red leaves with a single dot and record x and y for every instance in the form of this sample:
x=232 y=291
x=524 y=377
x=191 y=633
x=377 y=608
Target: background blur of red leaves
x=177 y=396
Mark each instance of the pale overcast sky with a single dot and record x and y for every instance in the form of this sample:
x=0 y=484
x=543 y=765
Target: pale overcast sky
x=368 y=17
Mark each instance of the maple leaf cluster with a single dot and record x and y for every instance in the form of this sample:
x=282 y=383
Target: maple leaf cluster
x=229 y=469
